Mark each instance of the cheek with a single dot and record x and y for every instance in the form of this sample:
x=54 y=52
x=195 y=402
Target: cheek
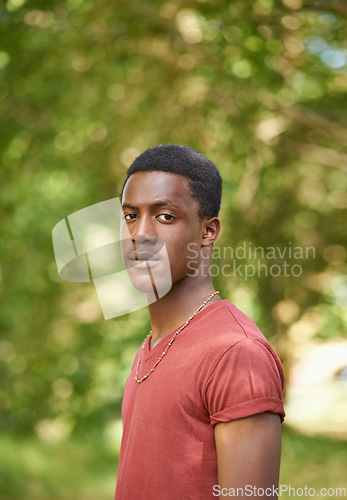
x=184 y=254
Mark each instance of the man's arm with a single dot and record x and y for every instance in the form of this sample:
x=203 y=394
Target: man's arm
x=248 y=454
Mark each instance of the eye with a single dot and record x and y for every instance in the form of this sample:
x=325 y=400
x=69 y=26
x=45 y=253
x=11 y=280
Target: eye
x=166 y=217
x=128 y=217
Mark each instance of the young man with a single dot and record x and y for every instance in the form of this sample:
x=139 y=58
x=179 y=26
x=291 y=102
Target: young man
x=202 y=406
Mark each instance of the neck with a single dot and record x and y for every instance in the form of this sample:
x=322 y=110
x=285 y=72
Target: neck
x=172 y=310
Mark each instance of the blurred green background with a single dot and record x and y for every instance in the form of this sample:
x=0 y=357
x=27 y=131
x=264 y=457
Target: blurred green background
x=259 y=88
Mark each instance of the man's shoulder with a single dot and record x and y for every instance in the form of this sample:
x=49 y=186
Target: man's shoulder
x=225 y=323
x=230 y=335
x=225 y=329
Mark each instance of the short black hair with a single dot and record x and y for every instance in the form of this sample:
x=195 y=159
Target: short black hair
x=203 y=176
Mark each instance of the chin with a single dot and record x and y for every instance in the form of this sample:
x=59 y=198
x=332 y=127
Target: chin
x=160 y=283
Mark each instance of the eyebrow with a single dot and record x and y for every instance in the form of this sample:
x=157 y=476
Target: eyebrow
x=164 y=203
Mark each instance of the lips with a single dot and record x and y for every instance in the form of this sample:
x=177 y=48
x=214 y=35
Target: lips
x=143 y=259
x=142 y=256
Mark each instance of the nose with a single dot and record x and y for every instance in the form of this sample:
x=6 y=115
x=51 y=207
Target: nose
x=142 y=231
x=140 y=239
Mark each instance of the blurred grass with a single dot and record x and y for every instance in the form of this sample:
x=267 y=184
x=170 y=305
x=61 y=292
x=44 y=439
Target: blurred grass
x=86 y=469
x=71 y=470
x=315 y=461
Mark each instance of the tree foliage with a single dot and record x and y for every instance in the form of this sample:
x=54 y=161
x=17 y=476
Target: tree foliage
x=86 y=86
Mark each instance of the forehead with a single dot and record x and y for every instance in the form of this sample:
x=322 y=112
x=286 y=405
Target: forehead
x=151 y=187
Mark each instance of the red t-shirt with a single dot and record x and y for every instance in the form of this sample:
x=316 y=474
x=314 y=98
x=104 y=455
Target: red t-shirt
x=219 y=368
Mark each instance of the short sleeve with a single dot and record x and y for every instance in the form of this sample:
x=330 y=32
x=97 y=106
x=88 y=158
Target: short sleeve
x=248 y=379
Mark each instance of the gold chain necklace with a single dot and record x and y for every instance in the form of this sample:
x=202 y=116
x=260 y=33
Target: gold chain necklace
x=170 y=343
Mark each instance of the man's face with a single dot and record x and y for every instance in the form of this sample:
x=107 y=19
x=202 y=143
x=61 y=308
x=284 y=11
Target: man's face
x=161 y=217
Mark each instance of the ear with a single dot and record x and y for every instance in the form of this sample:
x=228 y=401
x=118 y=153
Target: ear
x=211 y=229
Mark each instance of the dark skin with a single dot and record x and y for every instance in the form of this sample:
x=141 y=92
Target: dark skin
x=159 y=205
x=249 y=453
